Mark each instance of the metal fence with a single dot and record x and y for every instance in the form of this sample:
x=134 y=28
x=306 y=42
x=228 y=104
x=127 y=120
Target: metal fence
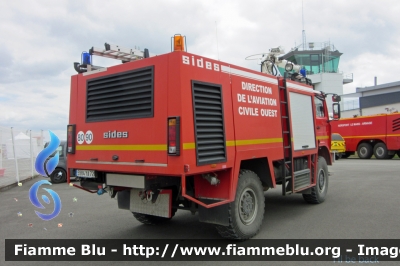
x=18 y=151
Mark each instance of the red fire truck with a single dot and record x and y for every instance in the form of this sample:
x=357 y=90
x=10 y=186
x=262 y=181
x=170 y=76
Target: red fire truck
x=377 y=135
x=181 y=131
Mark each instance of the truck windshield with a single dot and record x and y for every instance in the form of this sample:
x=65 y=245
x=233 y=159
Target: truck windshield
x=59 y=150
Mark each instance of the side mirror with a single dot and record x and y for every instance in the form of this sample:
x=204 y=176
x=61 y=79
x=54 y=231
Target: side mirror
x=336 y=98
x=336 y=110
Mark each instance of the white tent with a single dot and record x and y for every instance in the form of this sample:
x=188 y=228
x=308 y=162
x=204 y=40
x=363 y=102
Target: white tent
x=22 y=147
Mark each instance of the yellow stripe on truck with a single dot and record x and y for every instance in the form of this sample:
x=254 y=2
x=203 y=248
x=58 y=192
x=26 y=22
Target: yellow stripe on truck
x=371 y=136
x=257 y=141
x=163 y=147
x=230 y=143
x=189 y=146
x=159 y=147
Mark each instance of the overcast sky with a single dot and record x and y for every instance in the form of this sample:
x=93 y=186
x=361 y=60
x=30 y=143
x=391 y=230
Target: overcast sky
x=40 y=40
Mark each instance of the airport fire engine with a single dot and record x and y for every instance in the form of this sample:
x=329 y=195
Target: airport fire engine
x=180 y=131
x=377 y=135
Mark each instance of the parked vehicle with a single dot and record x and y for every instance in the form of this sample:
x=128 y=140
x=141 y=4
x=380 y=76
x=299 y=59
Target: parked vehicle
x=377 y=135
x=338 y=146
x=59 y=175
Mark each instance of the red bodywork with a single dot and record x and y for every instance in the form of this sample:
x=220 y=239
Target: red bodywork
x=372 y=129
x=251 y=130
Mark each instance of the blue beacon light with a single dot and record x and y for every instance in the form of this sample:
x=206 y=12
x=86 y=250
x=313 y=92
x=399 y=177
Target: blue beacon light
x=303 y=72
x=86 y=59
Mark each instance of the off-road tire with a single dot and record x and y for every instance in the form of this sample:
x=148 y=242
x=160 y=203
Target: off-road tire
x=151 y=219
x=318 y=193
x=246 y=213
x=338 y=156
x=346 y=155
x=58 y=176
x=381 y=151
x=364 y=151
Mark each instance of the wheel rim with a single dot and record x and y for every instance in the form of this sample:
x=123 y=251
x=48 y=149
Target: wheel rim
x=58 y=175
x=248 y=206
x=363 y=151
x=380 y=151
x=321 y=180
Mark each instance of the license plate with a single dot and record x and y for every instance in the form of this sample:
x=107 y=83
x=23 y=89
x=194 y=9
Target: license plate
x=85 y=173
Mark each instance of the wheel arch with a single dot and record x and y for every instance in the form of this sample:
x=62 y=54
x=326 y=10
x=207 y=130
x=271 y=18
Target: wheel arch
x=324 y=152
x=260 y=166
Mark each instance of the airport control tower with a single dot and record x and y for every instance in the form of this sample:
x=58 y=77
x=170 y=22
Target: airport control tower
x=321 y=61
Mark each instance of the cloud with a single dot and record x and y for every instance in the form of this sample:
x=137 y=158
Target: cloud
x=41 y=39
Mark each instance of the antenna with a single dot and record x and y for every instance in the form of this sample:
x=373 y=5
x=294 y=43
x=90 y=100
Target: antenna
x=216 y=33
x=304 y=32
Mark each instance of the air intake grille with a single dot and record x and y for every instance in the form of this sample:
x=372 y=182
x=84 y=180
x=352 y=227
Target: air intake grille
x=120 y=96
x=209 y=123
x=396 y=124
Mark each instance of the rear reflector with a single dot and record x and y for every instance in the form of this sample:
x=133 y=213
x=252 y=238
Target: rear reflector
x=71 y=139
x=173 y=136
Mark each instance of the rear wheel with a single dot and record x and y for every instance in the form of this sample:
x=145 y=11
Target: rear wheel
x=246 y=213
x=58 y=176
x=380 y=151
x=318 y=193
x=364 y=151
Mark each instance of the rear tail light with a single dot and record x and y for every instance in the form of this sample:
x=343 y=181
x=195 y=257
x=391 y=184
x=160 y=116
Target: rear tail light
x=71 y=139
x=173 y=136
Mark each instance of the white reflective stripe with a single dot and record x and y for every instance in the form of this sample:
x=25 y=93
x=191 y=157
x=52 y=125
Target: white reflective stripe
x=302 y=88
x=241 y=73
x=125 y=163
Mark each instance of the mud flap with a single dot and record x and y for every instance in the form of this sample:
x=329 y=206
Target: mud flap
x=123 y=198
x=216 y=215
x=148 y=202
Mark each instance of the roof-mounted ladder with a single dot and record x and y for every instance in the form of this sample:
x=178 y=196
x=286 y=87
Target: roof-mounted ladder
x=109 y=51
x=117 y=52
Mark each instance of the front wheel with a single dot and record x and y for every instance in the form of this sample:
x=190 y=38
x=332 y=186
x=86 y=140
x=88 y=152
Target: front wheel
x=58 y=176
x=246 y=213
x=318 y=193
x=346 y=155
x=338 y=156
